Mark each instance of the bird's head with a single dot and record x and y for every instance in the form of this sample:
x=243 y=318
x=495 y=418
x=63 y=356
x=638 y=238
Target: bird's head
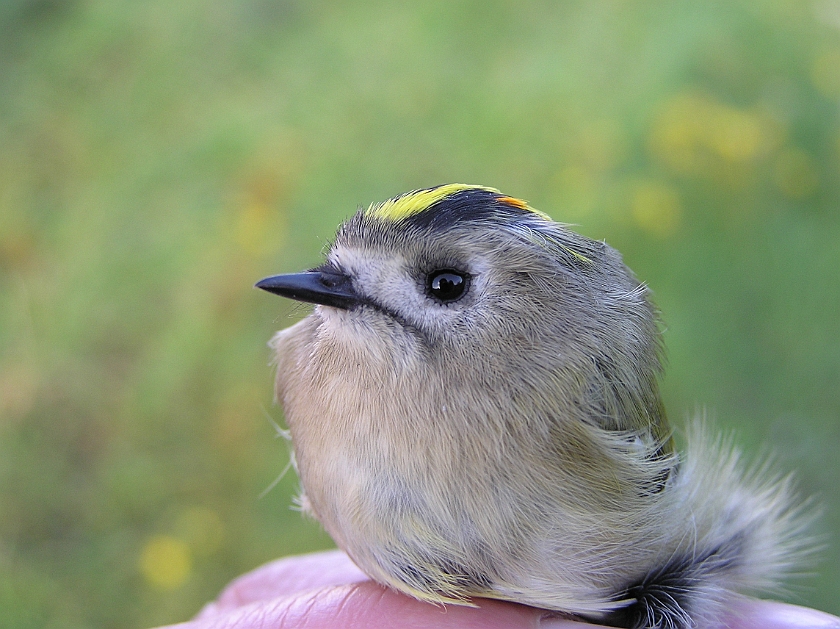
x=463 y=283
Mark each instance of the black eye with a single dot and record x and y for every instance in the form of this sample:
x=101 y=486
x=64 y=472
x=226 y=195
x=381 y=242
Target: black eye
x=447 y=285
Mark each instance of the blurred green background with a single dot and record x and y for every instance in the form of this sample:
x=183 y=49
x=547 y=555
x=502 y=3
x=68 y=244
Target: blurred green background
x=156 y=158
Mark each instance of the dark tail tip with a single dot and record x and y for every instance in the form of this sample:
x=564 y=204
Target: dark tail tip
x=671 y=596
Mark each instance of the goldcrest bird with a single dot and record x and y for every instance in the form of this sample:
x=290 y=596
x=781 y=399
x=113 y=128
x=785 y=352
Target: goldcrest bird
x=475 y=412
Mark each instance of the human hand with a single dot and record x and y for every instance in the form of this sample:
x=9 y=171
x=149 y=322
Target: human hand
x=326 y=590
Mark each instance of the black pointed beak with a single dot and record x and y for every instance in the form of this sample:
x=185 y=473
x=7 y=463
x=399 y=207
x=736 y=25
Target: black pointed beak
x=320 y=286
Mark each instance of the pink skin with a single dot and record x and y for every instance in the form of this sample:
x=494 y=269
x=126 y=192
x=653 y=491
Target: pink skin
x=325 y=591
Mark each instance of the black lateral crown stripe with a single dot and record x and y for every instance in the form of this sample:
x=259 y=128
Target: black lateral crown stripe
x=471 y=205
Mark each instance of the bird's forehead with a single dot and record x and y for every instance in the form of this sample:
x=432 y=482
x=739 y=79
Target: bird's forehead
x=447 y=205
x=359 y=259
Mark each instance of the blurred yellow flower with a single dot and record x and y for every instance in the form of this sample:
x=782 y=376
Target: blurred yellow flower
x=259 y=209
x=251 y=225
x=735 y=135
x=201 y=528
x=165 y=562
x=656 y=208
x=696 y=135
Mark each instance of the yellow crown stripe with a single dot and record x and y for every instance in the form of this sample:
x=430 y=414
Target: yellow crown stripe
x=412 y=203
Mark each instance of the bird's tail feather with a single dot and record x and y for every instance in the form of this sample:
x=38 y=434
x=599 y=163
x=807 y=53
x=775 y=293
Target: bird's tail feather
x=742 y=531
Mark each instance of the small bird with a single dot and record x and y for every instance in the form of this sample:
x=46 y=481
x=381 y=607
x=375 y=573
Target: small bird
x=475 y=412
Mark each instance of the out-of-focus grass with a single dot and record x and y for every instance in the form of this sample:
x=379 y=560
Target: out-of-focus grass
x=157 y=158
